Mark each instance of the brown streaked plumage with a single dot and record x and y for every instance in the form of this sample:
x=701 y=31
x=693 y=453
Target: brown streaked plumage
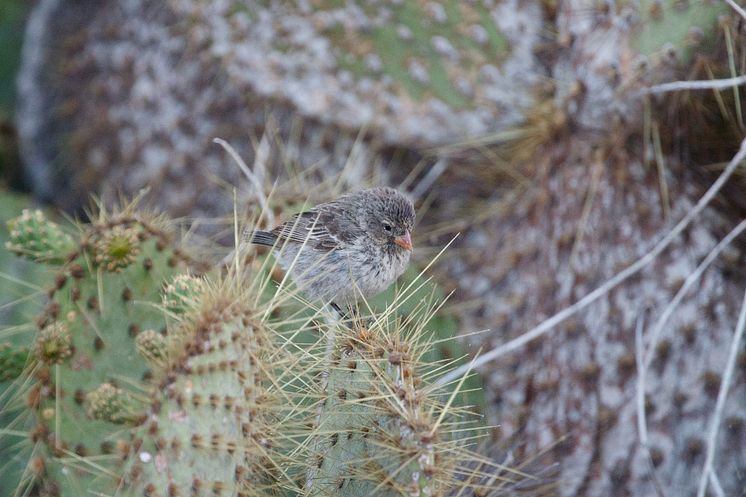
x=338 y=251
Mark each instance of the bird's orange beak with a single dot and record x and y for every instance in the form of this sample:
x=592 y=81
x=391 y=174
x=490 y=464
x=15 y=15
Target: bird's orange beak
x=404 y=241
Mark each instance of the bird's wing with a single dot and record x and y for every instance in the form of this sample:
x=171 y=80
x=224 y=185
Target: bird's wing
x=318 y=228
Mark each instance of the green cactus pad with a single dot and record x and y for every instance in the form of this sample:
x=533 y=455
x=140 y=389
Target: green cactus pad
x=677 y=28
x=103 y=297
x=379 y=433
x=19 y=302
x=208 y=427
x=427 y=49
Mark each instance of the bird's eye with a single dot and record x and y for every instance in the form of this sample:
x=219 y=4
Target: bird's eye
x=387 y=227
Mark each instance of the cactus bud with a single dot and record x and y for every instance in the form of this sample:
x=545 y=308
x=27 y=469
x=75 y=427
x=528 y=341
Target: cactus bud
x=152 y=345
x=33 y=236
x=116 y=248
x=54 y=343
x=180 y=295
x=108 y=403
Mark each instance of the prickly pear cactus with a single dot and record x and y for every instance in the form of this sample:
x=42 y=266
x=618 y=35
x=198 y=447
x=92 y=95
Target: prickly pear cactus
x=399 y=67
x=380 y=431
x=676 y=29
x=146 y=379
x=106 y=293
x=207 y=430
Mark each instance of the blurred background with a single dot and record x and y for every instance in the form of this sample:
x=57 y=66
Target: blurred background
x=525 y=127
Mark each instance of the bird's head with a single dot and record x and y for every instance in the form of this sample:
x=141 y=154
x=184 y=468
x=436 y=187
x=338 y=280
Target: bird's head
x=390 y=218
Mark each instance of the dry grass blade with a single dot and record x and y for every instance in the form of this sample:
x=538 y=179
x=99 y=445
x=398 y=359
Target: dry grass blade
x=255 y=182
x=715 y=481
x=642 y=422
x=430 y=178
x=722 y=396
x=713 y=84
x=737 y=8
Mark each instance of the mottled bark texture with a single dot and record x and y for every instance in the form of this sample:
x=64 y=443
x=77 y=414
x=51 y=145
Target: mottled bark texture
x=117 y=96
x=579 y=222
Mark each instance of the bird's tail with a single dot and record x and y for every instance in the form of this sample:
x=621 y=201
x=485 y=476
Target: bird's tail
x=260 y=237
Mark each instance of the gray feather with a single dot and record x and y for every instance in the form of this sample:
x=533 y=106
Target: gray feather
x=339 y=251
x=260 y=237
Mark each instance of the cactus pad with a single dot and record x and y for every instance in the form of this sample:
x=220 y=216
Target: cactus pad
x=676 y=28
x=379 y=431
x=90 y=370
x=207 y=429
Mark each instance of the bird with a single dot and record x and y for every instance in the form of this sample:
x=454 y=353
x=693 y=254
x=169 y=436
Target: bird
x=350 y=248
